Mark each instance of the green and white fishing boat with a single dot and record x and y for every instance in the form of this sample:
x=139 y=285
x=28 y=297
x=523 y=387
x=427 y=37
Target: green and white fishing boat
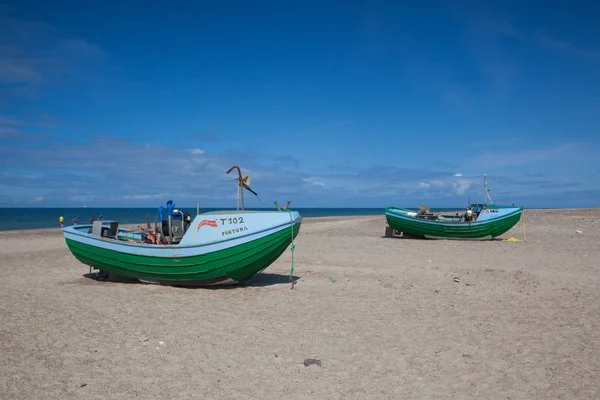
x=481 y=221
x=215 y=248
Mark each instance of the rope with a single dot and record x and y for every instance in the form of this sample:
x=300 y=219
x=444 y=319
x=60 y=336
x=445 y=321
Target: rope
x=292 y=249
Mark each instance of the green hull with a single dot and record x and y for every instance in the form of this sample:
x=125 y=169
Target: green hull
x=231 y=265
x=440 y=230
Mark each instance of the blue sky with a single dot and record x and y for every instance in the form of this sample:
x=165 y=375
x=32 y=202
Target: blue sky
x=327 y=104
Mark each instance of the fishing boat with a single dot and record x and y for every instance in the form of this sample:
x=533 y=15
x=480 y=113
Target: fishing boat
x=480 y=221
x=215 y=248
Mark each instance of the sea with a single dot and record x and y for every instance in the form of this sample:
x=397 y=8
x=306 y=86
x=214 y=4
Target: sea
x=40 y=218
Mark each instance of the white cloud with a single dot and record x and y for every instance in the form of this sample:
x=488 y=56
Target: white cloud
x=39 y=55
x=197 y=151
x=502 y=159
x=144 y=196
x=456 y=187
x=567 y=47
x=461 y=186
x=80 y=198
x=314 y=181
x=8 y=124
x=66 y=179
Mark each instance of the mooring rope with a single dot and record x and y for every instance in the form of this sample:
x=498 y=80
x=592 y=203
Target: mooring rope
x=292 y=248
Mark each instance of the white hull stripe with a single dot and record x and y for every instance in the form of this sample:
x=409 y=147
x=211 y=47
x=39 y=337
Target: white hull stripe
x=423 y=221
x=172 y=250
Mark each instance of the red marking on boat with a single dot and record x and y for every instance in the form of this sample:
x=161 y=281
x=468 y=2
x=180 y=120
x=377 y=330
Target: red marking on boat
x=207 y=222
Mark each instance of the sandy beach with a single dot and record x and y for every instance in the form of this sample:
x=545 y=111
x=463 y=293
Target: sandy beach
x=385 y=316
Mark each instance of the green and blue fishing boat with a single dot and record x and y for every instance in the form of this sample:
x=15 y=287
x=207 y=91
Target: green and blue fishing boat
x=481 y=221
x=215 y=248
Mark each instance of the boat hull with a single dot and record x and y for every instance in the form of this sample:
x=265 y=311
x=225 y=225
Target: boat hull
x=201 y=265
x=478 y=230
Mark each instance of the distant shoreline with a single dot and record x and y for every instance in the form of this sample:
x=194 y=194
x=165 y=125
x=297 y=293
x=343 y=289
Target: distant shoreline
x=92 y=208
x=131 y=225
x=20 y=219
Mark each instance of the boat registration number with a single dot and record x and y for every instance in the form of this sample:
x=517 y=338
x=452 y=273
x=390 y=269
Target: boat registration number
x=235 y=220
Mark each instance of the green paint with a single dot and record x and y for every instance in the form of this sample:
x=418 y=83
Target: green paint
x=239 y=263
x=491 y=229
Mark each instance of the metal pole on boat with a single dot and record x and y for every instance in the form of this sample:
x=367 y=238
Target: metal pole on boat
x=239 y=189
x=242 y=192
x=170 y=229
x=486 y=192
x=484 y=189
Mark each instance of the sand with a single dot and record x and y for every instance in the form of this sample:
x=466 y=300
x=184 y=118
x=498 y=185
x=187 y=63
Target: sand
x=385 y=316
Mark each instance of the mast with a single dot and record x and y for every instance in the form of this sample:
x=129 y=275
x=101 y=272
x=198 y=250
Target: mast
x=240 y=192
x=484 y=189
x=486 y=194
